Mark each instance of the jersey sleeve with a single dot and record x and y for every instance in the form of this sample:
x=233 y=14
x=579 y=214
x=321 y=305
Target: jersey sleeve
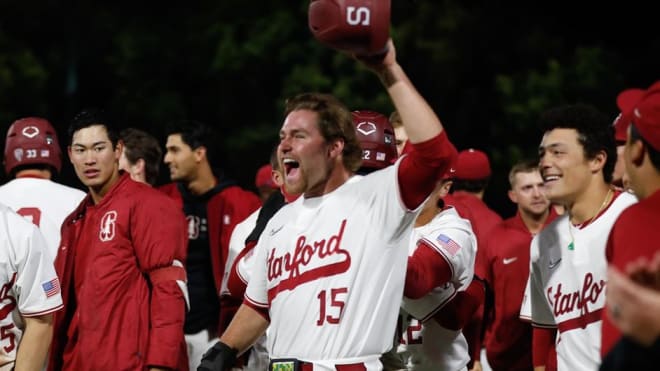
x=256 y=293
x=37 y=285
x=457 y=246
x=535 y=304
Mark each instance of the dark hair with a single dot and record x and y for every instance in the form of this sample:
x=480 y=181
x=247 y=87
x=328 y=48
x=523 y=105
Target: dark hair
x=274 y=163
x=195 y=134
x=524 y=166
x=141 y=145
x=472 y=186
x=335 y=122
x=653 y=154
x=595 y=132
x=91 y=117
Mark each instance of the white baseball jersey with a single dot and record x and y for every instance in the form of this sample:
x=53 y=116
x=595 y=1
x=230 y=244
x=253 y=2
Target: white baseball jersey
x=30 y=286
x=331 y=271
x=424 y=344
x=258 y=359
x=43 y=202
x=236 y=244
x=566 y=288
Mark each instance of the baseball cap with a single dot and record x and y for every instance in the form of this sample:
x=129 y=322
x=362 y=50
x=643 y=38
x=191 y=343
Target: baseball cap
x=642 y=109
x=264 y=178
x=472 y=164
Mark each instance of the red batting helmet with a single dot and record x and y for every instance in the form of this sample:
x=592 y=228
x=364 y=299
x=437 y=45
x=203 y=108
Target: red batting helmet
x=32 y=140
x=358 y=26
x=376 y=136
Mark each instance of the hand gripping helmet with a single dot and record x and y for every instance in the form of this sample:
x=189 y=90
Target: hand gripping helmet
x=358 y=26
x=376 y=136
x=32 y=140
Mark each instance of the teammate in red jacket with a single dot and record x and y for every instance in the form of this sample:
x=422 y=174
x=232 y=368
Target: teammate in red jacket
x=120 y=264
x=213 y=205
x=506 y=269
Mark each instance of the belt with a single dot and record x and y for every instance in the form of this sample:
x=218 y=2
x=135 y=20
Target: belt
x=289 y=364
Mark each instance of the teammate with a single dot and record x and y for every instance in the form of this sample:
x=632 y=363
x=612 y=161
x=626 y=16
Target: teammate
x=120 y=264
x=632 y=235
x=32 y=158
x=442 y=252
x=213 y=205
x=264 y=182
x=567 y=273
x=29 y=296
x=140 y=156
x=506 y=269
x=330 y=262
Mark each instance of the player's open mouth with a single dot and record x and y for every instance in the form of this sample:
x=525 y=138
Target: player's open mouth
x=290 y=167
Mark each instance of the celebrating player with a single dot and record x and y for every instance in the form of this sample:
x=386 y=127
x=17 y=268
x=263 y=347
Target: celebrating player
x=568 y=267
x=329 y=264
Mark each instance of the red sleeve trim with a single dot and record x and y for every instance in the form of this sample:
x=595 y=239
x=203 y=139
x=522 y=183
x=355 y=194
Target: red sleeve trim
x=260 y=308
x=43 y=312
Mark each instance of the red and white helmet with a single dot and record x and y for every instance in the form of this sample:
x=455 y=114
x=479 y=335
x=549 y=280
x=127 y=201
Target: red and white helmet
x=32 y=140
x=376 y=136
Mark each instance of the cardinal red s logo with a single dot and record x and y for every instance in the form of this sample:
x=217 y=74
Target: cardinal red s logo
x=107 y=231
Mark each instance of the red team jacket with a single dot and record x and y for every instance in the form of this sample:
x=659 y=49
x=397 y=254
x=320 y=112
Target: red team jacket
x=124 y=315
x=224 y=210
x=635 y=234
x=506 y=268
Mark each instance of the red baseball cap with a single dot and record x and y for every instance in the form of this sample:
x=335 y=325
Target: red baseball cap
x=264 y=178
x=642 y=109
x=472 y=164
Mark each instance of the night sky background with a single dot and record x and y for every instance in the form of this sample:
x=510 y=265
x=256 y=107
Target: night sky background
x=488 y=68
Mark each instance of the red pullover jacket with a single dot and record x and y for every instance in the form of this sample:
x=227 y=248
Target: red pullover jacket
x=127 y=312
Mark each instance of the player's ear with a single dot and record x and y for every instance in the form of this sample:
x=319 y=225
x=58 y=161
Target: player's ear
x=335 y=148
x=598 y=161
x=199 y=153
x=512 y=196
x=637 y=150
x=119 y=147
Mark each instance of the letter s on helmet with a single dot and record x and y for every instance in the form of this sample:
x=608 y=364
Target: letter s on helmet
x=376 y=136
x=32 y=140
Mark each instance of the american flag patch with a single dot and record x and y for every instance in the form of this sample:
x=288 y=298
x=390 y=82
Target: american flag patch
x=380 y=156
x=448 y=244
x=51 y=287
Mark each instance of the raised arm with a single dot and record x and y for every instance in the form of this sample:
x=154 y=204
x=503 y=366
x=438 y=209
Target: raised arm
x=418 y=118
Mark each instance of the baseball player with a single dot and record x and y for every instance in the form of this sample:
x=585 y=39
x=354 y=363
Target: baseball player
x=140 y=156
x=120 y=264
x=506 y=263
x=328 y=265
x=441 y=263
x=32 y=157
x=631 y=239
x=29 y=296
x=566 y=288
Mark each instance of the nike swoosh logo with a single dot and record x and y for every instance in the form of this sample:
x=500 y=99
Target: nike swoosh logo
x=553 y=264
x=275 y=230
x=509 y=260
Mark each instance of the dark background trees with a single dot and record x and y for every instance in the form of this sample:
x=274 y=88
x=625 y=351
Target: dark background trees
x=488 y=68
